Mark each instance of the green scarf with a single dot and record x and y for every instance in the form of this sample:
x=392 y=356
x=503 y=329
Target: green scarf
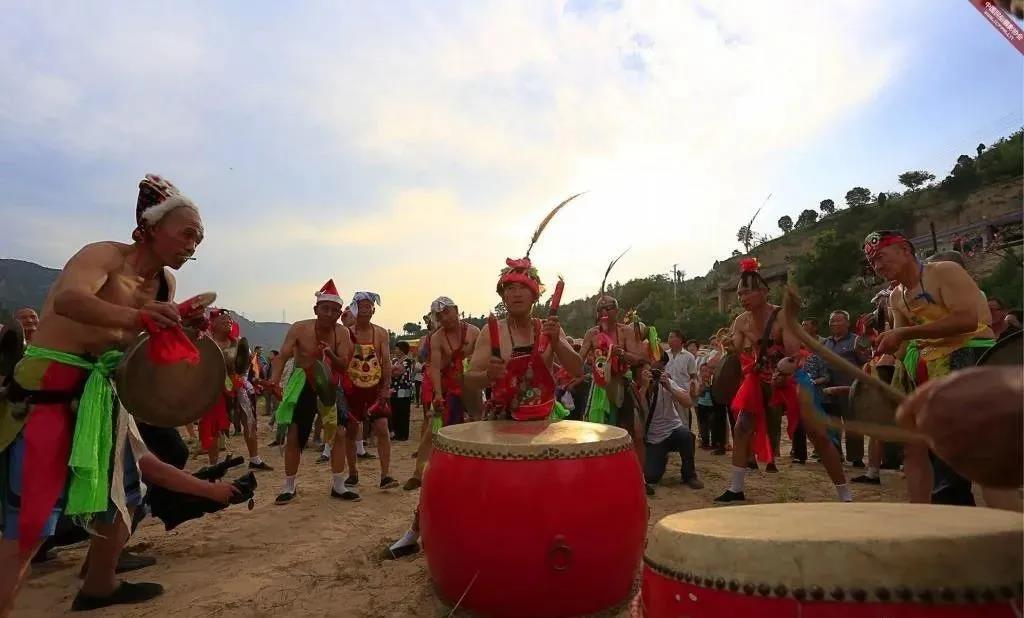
x=913 y=355
x=289 y=398
x=600 y=410
x=558 y=412
x=93 y=441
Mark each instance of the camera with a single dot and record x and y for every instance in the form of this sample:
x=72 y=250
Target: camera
x=656 y=374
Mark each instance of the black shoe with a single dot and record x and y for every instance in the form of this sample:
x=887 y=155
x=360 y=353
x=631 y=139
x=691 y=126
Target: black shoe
x=752 y=465
x=771 y=467
x=800 y=461
x=731 y=496
x=125 y=594
x=649 y=489
x=284 y=497
x=273 y=444
x=128 y=561
x=857 y=464
x=348 y=495
x=43 y=555
x=694 y=483
x=260 y=466
x=401 y=552
x=367 y=455
x=867 y=480
x=322 y=459
x=388 y=483
x=351 y=481
x=718 y=451
x=412 y=484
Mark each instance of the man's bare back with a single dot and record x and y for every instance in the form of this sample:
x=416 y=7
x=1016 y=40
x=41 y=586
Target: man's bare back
x=94 y=304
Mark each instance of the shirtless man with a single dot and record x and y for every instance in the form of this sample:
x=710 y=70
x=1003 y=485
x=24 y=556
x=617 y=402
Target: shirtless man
x=224 y=331
x=309 y=341
x=616 y=344
x=368 y=388
x=519 y=334
x=449 y=346
x=935 y=308
x=760 y=360
x=97 y=306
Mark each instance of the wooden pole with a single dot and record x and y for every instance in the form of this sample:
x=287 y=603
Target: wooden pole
x=935 y=239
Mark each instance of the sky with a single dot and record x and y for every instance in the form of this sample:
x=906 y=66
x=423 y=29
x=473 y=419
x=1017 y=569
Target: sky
x=408 y=148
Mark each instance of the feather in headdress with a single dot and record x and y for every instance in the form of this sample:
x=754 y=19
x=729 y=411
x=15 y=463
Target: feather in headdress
x=546 y=220
x=609 y=270
x=749 y=265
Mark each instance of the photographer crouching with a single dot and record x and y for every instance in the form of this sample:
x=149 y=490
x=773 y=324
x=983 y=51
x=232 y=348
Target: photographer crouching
x=665 y=393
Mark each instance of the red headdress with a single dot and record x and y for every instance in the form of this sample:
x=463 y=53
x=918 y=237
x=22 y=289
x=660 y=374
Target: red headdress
x=750 y=274
x=876 y=241
x=329 y=293
x=522 y=270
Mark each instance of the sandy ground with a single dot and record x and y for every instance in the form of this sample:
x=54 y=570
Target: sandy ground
x=322 y=557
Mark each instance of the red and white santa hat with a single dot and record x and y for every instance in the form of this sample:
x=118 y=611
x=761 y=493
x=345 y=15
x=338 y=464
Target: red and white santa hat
x=329 y=293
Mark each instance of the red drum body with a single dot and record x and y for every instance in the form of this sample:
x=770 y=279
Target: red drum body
x=835 y=561
x=533 y=519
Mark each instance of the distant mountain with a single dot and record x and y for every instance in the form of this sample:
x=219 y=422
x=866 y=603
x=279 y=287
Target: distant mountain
x=25 y=284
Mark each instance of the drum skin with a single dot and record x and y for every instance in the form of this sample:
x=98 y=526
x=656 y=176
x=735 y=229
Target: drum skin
x=543 y=538
x=834 y=560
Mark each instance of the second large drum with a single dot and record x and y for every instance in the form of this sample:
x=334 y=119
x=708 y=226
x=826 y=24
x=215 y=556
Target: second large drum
x=533 y=518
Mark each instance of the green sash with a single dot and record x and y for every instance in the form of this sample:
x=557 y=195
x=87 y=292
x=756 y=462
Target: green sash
x=93 y=440
x=289 y=399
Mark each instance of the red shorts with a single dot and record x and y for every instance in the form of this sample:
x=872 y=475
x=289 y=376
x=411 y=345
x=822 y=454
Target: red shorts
x=360 y=402
x=214 y=421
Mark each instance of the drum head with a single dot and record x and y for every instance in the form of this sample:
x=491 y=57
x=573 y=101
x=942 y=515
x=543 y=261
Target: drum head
x=243 y=357
x=728 y=377
x=868 y=404
x=1006 y=351
x=12 y=347
x=170 y=395
x=531 y=440
x=857 y=549
x=325 y=390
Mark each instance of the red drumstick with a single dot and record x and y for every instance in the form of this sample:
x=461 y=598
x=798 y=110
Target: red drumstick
x=492 y=330
x=556 y=299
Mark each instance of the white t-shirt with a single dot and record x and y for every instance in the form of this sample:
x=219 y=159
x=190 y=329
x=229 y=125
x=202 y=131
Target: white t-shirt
x=681 y=367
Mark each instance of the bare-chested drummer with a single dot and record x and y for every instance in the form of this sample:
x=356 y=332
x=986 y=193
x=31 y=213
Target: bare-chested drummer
x=522 y=376
x=96 y=308
x=450 y=345
x=307 y=342
x=618 y=345
x=764 y=346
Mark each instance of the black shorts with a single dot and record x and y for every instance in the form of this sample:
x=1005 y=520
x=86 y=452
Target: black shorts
x=305 y=412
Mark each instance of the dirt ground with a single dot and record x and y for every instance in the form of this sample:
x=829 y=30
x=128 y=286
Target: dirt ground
x=322 y=557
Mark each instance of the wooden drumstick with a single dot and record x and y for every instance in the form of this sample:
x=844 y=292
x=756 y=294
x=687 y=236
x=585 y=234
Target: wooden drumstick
x=790 y=311
x=887 y=433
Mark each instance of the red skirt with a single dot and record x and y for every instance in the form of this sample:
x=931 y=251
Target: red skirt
x=214 y=421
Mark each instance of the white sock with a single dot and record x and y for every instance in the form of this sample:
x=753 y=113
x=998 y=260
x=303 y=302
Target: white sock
x=289 y=485
x=844 y=492
x=327 y=450
x=360 y=447
x=256 y=459
x=872 y=473
x=338 y=482
x=409 y=538
x=738 y=476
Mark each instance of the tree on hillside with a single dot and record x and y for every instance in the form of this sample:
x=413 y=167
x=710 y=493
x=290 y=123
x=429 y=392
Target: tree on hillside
x=736 y=253
x=962 y=179
x=745 y=236
x=913 y=180
x=786 y=224
x=807 y=217
x=827 y=206
x=411 y=328
x=822 y=274
x=881 y=199
x=980 y=149
x=858 y=197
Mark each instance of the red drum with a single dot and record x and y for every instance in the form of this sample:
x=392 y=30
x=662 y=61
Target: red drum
x=533 y=518
x=835 y=560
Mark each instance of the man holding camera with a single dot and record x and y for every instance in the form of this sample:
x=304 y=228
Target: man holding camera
x=665 y=390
